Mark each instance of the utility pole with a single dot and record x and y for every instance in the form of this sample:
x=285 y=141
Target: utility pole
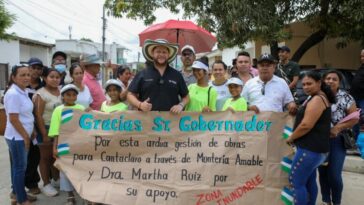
x=103 y=32
x=103 y=70
x=70 y=31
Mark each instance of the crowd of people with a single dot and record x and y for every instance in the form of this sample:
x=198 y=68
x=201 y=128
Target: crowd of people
x=36 y=96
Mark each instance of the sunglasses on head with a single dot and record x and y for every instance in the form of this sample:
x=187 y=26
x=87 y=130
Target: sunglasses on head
x=263 y=89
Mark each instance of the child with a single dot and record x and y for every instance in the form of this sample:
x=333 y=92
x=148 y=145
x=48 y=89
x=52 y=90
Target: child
x=236 y=102
x=69 y=95
x=113 y=89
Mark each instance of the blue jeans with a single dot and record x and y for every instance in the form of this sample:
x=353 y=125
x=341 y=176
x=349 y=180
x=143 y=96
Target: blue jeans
x=18 y=166
x=356 y=128
x=303 y=176
x=331 y=181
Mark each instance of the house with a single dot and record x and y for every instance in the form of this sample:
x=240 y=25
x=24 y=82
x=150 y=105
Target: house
x=324 y=54
x=19 y=50
x=114 y=53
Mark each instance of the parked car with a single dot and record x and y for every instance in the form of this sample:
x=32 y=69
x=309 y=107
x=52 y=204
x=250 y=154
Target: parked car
x=345 y=84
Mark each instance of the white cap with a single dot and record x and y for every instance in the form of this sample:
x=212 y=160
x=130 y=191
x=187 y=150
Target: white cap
x=113 y=82
x=189 y=47
x=200 y=65
x=235 y=81
x=69 y=87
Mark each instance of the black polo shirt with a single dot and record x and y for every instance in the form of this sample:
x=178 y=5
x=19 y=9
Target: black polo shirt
x=164 y=91
x=291 y=69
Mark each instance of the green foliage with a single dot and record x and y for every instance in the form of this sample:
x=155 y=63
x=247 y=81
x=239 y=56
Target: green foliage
x=237 y=21
x=86 y=39
x=6 y=21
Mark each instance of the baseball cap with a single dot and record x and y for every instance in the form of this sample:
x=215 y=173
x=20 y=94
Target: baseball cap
x=69 y=87
x=90 y=59
x=59 y=53
x=235 y=81
x=112 y=82
x=266 y=58
x=35 y=61
x=188 y=47
x=284 y=48
x=199 y=65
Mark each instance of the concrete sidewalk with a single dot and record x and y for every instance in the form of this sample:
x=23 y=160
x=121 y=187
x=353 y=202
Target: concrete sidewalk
x=354 y=164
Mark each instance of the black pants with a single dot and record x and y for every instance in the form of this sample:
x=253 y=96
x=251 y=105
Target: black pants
x=32 y=177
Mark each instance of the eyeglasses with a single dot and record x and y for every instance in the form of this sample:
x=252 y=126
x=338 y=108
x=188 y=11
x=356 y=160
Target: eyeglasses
x=17 y=66
x=263 y=88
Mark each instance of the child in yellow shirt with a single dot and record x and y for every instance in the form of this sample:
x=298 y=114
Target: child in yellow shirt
x=236 y=102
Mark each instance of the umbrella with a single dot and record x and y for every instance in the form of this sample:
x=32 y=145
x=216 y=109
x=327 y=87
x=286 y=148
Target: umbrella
x=180 y=32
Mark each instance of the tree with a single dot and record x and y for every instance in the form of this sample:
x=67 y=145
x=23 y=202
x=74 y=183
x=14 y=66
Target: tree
x=237 y=21
x=86 y=39
x=6 y=21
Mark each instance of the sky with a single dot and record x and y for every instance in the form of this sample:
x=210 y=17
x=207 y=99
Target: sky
x=48 y=20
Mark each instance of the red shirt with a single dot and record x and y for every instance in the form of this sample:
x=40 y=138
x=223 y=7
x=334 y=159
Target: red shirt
x=96 y=90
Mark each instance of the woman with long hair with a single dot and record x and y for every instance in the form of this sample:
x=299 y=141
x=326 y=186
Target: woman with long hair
x=331 y=181
x=46 y=100
x=311 y=137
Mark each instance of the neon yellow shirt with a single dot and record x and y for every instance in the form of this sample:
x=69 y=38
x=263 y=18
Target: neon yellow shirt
x=56 y=119
x=113 y=108
x=237 y=105
x=199 y=96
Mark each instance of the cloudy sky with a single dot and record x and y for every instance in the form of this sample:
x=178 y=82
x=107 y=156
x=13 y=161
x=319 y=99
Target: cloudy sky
x=47 y=20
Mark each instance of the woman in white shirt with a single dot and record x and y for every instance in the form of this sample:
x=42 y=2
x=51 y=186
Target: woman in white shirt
x=84 y=97
x=219 y=71
x=19 y=127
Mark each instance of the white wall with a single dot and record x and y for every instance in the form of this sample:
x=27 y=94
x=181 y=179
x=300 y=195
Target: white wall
x=228 y=54
x=29 y=51
x=9 y=52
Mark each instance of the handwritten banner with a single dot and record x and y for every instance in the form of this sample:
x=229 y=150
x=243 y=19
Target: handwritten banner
x=159 y=158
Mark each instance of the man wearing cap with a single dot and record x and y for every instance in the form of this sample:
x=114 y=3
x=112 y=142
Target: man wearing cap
x=267 y=92
x=91 y=65
x=188 y=57
x=59 y=62
x=159 y=87
x=287 y=69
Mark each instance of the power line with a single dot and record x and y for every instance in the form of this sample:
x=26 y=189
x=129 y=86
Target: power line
x=57 y=14
x=84 y=6
x=30 y=28
x=41 y=21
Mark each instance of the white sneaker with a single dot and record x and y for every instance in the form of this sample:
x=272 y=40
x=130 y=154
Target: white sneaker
x=49 y=190
x=55 y=184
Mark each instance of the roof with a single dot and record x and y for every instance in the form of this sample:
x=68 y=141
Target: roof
x=34 y=42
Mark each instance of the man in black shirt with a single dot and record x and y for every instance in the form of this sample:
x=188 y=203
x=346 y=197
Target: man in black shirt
x=159 y=87
x=287 y=69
